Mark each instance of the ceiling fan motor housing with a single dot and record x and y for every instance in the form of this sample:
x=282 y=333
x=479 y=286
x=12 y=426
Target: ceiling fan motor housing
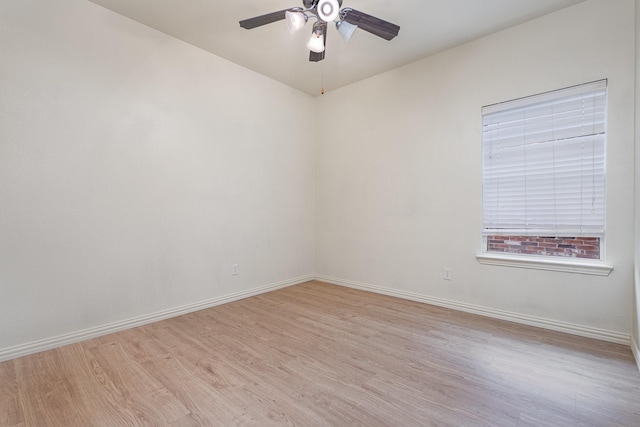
x=328 y=10
x=308 y=4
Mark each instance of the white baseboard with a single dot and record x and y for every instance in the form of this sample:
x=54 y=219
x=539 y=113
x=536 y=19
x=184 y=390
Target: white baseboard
x=585 y=331
x=73 y=337
x=635 y=350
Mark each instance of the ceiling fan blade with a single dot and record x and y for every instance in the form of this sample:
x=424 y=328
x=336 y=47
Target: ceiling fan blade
x=376 y=26
x=261 y=20
x=315 y=57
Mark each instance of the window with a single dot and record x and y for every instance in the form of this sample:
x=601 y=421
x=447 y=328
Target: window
x=544 y=173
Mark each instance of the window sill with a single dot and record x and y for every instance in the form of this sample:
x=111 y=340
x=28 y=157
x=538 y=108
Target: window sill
x=539 y=263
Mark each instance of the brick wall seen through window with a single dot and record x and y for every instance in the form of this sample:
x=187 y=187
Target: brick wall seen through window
x=570 y=247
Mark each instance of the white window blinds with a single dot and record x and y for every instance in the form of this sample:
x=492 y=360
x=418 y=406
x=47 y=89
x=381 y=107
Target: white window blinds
x=544 y=163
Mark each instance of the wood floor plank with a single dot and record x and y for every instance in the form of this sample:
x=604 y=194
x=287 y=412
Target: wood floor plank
x=10 y=403
x=204 y=400
x=90 y=381
x=322 y=355
x=48 y=396
x=127 y=386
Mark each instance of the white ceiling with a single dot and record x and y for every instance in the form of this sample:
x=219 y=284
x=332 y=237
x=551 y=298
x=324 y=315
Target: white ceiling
x=426 y=27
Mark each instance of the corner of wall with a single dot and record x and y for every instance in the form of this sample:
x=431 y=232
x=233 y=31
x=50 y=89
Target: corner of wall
x=635 y=330
x=635 y=350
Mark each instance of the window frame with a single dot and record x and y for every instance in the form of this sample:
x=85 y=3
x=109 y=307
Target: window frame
x=546 y=262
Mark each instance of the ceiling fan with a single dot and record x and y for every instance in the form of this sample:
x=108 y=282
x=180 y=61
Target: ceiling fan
x=325 y=11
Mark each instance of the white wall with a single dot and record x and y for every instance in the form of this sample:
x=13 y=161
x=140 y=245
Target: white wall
x=399 y=173
x=135 y=170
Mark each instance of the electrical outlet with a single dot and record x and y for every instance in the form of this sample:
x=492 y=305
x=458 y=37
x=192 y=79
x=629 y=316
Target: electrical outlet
x=446 y=273
x=235 y=269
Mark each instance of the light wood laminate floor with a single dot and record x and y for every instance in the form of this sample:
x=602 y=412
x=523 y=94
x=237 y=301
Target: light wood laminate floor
x=322 y=355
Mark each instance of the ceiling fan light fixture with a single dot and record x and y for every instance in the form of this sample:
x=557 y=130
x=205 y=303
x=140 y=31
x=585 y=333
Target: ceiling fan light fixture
x=295 y=20
x=316 y=42
x=328 y=10
x=346 y=30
